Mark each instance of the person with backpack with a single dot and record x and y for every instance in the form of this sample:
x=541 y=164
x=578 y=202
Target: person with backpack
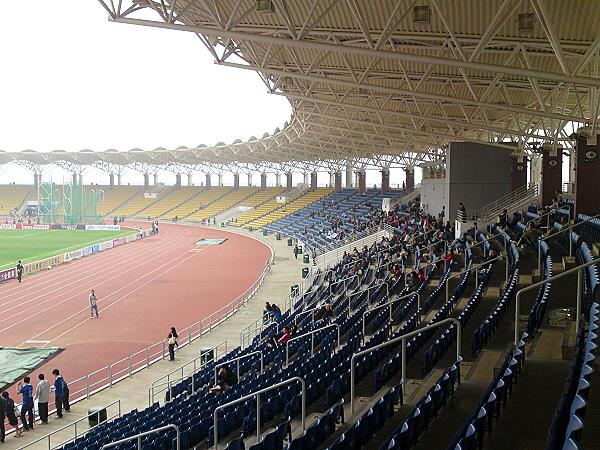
x=172 y=340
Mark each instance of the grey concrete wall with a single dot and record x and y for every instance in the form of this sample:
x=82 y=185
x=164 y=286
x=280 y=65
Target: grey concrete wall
x=477 y=175
x=434 y=195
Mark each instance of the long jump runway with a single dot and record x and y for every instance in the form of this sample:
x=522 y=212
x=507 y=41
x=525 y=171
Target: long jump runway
x=143 y=289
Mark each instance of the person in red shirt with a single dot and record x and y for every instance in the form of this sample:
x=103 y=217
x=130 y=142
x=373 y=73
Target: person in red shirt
x=286 y=336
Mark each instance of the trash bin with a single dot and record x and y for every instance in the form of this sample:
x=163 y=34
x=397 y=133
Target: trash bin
x=278 y=236
x=207 y=354
x=290 y=242
x=304 y=272
x=299 y=249
x=306 y=258
x=97 y=414
x=295 y=289
x=264 y=232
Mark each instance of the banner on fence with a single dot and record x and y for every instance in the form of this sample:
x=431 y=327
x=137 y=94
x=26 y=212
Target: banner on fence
x=75 y=254
x=7 y=226
x=7 y=274
x=118 y=241
x=102 y=227
x=43 y=264
x=64 y=226
x=106 y=245
x=25 y=226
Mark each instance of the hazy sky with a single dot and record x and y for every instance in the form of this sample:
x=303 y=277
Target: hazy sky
x=72 y=80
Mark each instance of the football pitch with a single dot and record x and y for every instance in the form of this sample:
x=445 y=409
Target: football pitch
x=33 y=245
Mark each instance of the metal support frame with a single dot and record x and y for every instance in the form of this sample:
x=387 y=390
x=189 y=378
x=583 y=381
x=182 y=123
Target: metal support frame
x=354 y=294
x=257 y=395
x=403 y=340
x=578 y=269
x=312 y=340
x=343 y=280
x=376 y=308
x=139 y=437
x=238 y=359
x=562 y=230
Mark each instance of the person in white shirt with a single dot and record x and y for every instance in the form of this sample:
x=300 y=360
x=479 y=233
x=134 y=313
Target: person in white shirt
x=42 y=395
x=93 y=304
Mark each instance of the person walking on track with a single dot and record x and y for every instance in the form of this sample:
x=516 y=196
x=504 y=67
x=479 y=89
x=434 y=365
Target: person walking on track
x=19 y=271
x=93 y=305
x=172 y=340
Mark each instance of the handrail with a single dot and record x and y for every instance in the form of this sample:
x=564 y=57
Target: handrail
x=343 y=280
x=354 y=294
x=144 y=434
x=520 y=194
x=74 y=424
x=248 y=355
x=403 y=339
x=159 y=381
x=301 y=313
x=570 y=227
x=257 y=326
x=578 y=269
x=386 y=304
x=257 y=395
x=312 y=340
x=475 y=267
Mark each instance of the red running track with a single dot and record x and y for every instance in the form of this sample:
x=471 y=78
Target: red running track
x=143 y=289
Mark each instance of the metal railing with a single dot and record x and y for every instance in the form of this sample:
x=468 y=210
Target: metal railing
x=562 y=230
x=491 y=210
x=237 y=360
x=354 y=294
x=403 y=340
x=389 y=304
x=256 y=328
x=139 y=437
x=578 y=269
x=165 y=383
x=257 y=395
x=312 y=340
x=76 y=434
x=334 y=256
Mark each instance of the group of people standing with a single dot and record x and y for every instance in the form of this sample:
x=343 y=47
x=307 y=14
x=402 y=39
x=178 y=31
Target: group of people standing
x=25 y=411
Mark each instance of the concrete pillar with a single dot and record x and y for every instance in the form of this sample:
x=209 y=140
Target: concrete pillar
x=35 y=180
x=263 y=180
x=220 y=179
x=313 y=180
x=249 y=179
x=189 y=177
x=410 y=179
x=178 y=180
x=236 y=180
x=146 y=181
x=337 y=181
x=306 y=178
x=587 y=175
x=278 y=179
x=349 y=175
x=75 y=179
x=288 y=180
x=361 y=181
x=119 y=178
x=385 y=179
x=111 y=179
x=572 y=172
x=551 y=174
x=156 y=179
x=208 y=180
x=518 y=171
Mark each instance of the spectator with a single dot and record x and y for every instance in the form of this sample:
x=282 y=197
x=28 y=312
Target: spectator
x=225 y=379
x=267 y=313
x=61 y=394
x=9 y=410
x=286 y=336
x=42 y=395
x=26 y=390
x=276 y=312
x=172 y=340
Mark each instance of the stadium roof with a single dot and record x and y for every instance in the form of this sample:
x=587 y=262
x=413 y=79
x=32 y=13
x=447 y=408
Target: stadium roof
x=385 y=81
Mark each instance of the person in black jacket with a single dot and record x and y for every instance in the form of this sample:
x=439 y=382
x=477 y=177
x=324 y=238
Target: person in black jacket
x=9 y=410
x=2 y=417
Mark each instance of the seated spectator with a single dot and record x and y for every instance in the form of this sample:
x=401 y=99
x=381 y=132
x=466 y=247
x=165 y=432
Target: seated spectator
x=529 y=236
x=286 y=336
x=225 y=379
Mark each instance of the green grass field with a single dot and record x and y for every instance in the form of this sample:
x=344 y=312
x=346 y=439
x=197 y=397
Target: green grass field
x=32 y=245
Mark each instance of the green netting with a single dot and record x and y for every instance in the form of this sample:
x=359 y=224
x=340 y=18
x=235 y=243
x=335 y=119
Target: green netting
x=68 y=203
x=16 y=362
